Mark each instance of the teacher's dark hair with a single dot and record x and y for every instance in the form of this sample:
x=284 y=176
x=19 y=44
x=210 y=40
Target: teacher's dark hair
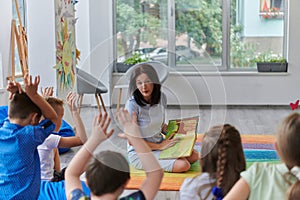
x=151 y=73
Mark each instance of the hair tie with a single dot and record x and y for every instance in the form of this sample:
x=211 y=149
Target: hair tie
x=217 y=192
x=296 y=172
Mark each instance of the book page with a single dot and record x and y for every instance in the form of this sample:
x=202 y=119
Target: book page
x=183 y=148
x=186 y=130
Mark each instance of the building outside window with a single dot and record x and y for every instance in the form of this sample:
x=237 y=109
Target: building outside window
x=200 y=34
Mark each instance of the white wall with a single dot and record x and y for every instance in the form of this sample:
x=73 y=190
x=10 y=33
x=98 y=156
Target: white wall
x=5 y=24
x=94 y=32
x=82 y=34
x=101 y=41
x=41 y=40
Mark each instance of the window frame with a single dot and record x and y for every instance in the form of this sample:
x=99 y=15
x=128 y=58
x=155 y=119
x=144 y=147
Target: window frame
x=225 y=64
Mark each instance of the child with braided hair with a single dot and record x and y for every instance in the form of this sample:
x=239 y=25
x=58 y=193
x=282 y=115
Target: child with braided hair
x=274 y=181
x=222 y=160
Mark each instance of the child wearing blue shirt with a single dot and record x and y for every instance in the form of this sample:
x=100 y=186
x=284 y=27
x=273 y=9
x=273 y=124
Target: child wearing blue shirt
x=20 y=135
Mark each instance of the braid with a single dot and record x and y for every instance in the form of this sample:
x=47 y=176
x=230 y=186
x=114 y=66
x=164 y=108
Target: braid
x=223 y=144
x=230 y=151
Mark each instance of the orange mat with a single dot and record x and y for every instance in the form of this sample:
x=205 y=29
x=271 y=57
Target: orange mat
x=173 y=181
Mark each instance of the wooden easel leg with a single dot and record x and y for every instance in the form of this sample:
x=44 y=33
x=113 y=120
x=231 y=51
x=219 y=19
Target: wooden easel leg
x=80 y=98
x=102 y=102
x=98 y=103
x=13 y=29
x=119 y=99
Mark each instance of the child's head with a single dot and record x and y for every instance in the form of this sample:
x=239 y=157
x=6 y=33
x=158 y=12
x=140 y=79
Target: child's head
x=144 y=85
x=287 y=145
x=106 y=172
x=21 y=107
x=222 y=155
x=58 y=105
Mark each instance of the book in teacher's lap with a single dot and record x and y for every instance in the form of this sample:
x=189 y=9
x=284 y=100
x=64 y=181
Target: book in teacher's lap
x=185 y=130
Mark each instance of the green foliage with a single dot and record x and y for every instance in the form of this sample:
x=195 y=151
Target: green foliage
x=131 y=24
x=269 y=57
x=202 y=22
x=241 y=53
x=134 y=59
x=172 y=128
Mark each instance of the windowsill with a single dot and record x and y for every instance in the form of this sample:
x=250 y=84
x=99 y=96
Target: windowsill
x=222 y=73
x=271 y=15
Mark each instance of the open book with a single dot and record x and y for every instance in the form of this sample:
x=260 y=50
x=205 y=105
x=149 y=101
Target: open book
x=186 y=130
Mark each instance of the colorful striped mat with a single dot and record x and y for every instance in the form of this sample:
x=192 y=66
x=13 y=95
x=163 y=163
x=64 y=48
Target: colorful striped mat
x=257 y=148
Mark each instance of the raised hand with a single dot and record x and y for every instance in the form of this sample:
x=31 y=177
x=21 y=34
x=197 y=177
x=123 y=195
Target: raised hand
x=31 y=87
x=130 y=126
x=13 y=87
x=99 y=129
x=47 y=92
x=72 y=101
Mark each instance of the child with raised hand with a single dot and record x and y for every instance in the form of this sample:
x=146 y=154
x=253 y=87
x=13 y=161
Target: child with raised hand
x=274 y=181
x=19 y=137
x=107 y=173
x=54 y=141
x=149 y=103
x=222 y=160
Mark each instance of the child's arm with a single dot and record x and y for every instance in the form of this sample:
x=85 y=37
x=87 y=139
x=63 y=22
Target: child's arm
x=56 y=160
x=239 y=191
x=31 y=90
x=80 y=137
x=78 y=163
x=163 y=145
x=152 y=168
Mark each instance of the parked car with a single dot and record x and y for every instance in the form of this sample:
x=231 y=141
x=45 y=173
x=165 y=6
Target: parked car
x=182 y=53
x=159 y=54
x=146 y=50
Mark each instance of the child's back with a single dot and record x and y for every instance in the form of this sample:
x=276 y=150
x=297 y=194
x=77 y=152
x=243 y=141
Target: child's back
x=20 y=170
x=222 y=160
x=19 y=138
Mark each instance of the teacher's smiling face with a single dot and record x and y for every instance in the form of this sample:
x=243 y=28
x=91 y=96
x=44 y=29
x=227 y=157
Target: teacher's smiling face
x=145 y=86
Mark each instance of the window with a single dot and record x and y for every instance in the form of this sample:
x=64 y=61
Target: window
x=271 y=9
x=266 y=5
x=250 y=36
x=199 y=34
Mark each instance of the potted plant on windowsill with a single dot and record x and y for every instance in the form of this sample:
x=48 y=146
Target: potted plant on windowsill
x=129 y=62
x=271 y=63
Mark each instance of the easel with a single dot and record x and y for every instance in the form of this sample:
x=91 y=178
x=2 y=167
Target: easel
x=19 y=36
